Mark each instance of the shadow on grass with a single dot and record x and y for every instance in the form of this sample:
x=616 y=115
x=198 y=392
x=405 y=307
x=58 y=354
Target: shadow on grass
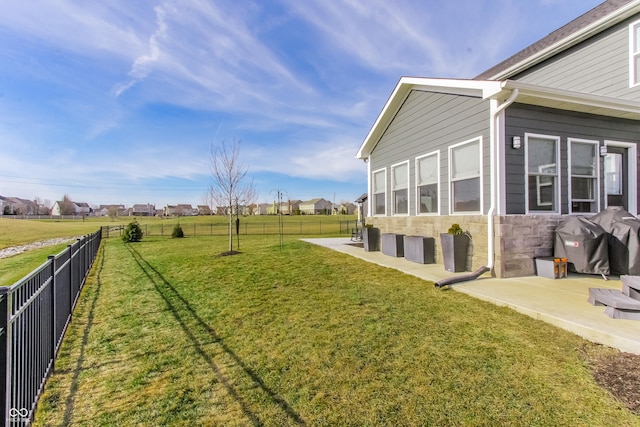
x=182 y=310
x=73 y=389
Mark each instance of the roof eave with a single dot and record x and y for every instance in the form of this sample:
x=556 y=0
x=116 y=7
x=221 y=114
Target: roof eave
x=571 y=100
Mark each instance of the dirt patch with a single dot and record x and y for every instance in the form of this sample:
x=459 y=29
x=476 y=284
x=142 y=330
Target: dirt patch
x=620 y=375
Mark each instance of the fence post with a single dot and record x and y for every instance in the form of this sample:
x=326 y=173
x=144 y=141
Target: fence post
x=52 y=277
x=5 y=358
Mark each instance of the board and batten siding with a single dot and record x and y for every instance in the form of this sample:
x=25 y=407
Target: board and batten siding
x=430 y=121
x=599 y=66
x=521 y=119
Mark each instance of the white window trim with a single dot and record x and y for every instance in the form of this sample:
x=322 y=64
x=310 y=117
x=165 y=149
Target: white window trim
x=373 y=198
x=632 y=202
x=417 y=204
x=633 y=54
x=526 y=174
x=393 y=204
x=596 y=145
x=451 y=204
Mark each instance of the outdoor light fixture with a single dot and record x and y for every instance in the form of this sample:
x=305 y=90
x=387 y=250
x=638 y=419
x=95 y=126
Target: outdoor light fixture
x=516 y=142
x=603 y=150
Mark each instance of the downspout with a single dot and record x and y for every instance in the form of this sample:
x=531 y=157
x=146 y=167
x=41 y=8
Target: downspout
x=494 y=140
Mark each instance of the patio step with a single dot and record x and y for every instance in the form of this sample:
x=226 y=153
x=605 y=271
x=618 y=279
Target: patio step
x=618 y=305
x=631 y=286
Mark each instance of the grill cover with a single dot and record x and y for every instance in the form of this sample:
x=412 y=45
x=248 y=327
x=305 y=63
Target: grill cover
x=584 y=244
x=623 y=239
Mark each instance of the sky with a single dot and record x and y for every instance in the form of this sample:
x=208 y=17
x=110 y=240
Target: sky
x=122 y=102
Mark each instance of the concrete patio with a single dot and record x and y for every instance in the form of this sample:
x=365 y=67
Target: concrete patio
x=560 y=302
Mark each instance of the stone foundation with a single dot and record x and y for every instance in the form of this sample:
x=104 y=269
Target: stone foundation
x=519 y=238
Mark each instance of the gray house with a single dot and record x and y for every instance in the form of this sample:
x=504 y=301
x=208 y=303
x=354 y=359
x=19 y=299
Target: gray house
x=550 y=132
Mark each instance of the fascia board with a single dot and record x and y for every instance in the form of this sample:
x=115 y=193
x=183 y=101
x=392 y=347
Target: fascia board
x=571 y=97
x=571 y=40
x=477 y=88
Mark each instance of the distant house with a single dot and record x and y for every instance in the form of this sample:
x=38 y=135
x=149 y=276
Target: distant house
x=179 y=210
x=79 y=208
x=345 y=208
x=107 y=210
x=17 y=206
x=204 y=210
x=261 y=208
x=551 y=131
x=290 y=207
x=315 y=207
x=146 y=209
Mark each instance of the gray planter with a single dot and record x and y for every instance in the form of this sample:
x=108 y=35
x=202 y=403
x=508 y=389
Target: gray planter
x=419 y=249
x=454 y=251
x=371 y=239
x=392 y=244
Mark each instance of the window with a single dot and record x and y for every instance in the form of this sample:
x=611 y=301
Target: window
x=634 y=53
x=400 y=188
x=427 y=173
x=542 y=173
x=379 y=192
x=465 y=167
x=613 y=174
x=583 y=170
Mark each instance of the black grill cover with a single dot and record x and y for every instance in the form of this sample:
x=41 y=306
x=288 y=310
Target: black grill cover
x=584 y=244
x=624 y=239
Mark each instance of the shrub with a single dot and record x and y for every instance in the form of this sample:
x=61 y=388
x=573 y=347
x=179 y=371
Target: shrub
x=177 y=232
x=132 y=233
x=456 y=230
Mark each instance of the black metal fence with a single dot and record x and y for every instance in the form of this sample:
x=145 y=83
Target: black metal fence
x=244 y=228
x=34 y=315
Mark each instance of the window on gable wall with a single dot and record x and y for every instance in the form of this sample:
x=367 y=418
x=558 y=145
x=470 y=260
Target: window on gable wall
x=465 y=162
x=379 y=192
x=583 y=169
x=427 y=172
x=400 y=188
x=634 y=54
x=542 y=173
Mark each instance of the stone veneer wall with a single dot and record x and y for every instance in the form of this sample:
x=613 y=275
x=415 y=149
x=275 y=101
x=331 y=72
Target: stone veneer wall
x=522 y=238
x=519 y=238
x=432 y=226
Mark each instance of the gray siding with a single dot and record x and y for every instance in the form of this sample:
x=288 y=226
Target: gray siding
x=426 y=122
x=599 y=66
x=521 y=119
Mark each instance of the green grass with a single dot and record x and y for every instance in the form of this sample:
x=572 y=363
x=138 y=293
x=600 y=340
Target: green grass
x=16 y=232
x=168 y=333
x=18 y=266
x=20 y=232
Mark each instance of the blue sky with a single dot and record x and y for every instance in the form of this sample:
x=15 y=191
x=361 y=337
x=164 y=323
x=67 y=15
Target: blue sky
x=121 y=101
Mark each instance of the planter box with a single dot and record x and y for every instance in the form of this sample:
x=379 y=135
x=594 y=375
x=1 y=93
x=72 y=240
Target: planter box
x=455 y=249
x=371 y=239
x=393 y=244
x=420 y=249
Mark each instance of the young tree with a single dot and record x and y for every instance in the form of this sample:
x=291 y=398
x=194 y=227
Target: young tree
x=228 y=187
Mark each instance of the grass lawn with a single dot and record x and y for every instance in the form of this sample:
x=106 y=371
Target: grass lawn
x=168 y=333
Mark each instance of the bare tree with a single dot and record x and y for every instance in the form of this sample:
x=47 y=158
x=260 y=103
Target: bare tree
x=67 y=207
x=112 y=211
x=228 y=187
